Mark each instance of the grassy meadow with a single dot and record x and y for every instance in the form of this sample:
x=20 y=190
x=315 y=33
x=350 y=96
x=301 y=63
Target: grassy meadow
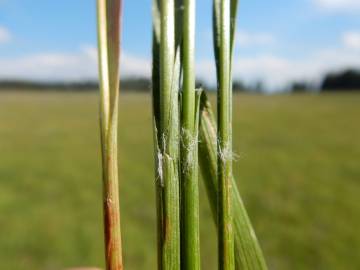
x=297 y=167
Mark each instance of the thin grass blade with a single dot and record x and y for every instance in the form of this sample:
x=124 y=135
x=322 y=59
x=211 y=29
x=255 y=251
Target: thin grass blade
x=248 y=254
x=108 y=14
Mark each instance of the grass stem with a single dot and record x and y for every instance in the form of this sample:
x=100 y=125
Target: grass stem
x=108 y=14
x=168 y=155
x=224 y=149
x=189 y=159
x=248 y=254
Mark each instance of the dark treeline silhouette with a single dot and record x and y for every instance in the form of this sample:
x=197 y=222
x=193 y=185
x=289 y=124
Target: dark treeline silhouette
x=345 y=80
x=255 y=88
x=127 y=84
x=44 y=86
x=301 y=86
x=238 y=86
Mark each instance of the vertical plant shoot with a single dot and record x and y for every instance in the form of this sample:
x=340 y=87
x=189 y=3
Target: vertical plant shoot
x=248 y=254
x=190 y=256
x=166 y=74
x=108 y=14
x=169 y=128
x=222 y=38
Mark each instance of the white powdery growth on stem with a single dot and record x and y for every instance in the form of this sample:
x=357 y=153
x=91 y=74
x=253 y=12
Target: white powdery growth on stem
x=190 y=147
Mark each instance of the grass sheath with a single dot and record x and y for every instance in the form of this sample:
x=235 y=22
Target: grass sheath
x=165 y=75
x=222 y=37
x=169 y=130
x=248 y=254
x=190 y=242
x=176 y=142
x=108 y=14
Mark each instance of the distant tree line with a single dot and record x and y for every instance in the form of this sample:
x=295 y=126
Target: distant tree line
x=51 y=86
x=127 y=84
x=347 y=80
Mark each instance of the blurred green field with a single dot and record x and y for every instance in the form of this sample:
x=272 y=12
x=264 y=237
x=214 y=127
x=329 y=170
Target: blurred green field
x=298 y=171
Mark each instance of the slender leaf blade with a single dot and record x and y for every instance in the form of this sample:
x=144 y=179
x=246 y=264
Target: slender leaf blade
x=248 y=254
x=108 y=14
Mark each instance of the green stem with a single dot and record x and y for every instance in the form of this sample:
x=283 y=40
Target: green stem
x=225 y=230
x=109 y=50
x=189 y=169
x=167 y=56
x=169 y=144
x=248 y=254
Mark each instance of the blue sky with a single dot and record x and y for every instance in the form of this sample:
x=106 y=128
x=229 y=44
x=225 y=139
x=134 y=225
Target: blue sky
x=277 y=42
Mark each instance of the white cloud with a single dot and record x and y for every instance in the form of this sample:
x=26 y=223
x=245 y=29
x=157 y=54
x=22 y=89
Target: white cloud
x=351 y=40
x=134 y=65
x=90 y=51
x=277 y=71
x=274 y=70
x=49 y=66
x=67 y=66
x=246 y=39
x=338 y=5
x=129 y=64
x=5 y=35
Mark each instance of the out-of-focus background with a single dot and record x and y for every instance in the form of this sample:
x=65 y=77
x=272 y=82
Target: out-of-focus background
x=296 y=133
